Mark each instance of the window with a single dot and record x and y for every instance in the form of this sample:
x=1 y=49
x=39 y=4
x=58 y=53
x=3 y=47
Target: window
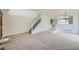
x=63 y=21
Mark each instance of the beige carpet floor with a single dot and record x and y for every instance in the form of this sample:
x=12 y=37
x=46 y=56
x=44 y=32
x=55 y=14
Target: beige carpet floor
x=44 y=41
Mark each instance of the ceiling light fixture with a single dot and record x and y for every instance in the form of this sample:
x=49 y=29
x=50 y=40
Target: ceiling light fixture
x=66 y=15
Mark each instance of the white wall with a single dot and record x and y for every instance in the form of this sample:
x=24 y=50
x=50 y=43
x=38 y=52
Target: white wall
x=17 y=23
x=75 y=23
x=44 y=24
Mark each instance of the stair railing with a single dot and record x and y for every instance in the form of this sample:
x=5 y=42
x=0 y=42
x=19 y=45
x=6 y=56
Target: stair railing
x=35 y=23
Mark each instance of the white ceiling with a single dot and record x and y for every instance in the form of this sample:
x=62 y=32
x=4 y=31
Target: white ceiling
x=34 y=12
x=57 y=11
x=23 y=12
x=54 y=13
